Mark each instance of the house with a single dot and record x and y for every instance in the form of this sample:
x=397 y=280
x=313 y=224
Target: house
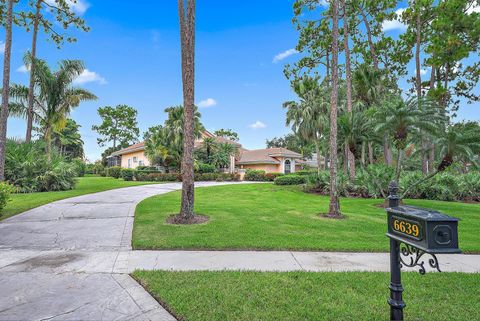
x=271 y=160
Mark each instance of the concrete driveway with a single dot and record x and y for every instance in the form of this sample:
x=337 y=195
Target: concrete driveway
x=57 y=261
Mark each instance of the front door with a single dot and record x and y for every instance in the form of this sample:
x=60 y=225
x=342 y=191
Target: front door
x=288 y=166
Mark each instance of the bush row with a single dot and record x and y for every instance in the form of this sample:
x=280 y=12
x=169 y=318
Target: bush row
x=290 y=179
x=255 y=175
x=129 y=174
x=373 y=181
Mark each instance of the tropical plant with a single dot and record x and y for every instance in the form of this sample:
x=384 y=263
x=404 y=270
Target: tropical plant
x=308 y=117
x=403 y=119
x=30 y=170
x=222 y=154
x=68 y=140
x=55 y=97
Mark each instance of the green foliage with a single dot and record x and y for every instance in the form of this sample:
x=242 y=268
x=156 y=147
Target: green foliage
x=29 y=169
x=176 y=177
x=256 y=175
x=306 y=172
x=290 y=179
x=373 y=180
x=68 y=140
x=5 y=190
x=320 y=183
x=119 y=125
x=99 y=169
x=114 y=171
x=80 y=167
x=164 y=144
x=127 y=174
x=55 y=96
x=469 y=187
x=204 y=168
x=227 y=133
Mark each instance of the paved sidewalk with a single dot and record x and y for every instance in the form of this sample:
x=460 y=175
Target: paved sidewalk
x=124 y=262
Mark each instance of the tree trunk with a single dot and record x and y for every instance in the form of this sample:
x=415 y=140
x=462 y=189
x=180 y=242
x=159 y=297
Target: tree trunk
x=319 y=159
x=431 y=151
x=370 y=153
x=6 y=88
x=31 y=87
x=334 y=207
x=362 y=157
x=348 y=76
x=387 y=152
x=418 y=83
x=370 y=41
x=187 y=31
x=48 y=143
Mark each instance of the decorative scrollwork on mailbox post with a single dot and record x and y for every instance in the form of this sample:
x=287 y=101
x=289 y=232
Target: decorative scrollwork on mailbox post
x=416 y=258
x=415 y=232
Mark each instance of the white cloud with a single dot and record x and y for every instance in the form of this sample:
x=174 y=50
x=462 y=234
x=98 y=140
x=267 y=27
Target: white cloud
x=24 y=69
x=209 y=102
x=395 y=24
x=257 y=125
x=473 y=8
x=2 y=47
x=284 y=55
x=324 y=3
x=89 y=76
x=423 y=72
x=78 y=6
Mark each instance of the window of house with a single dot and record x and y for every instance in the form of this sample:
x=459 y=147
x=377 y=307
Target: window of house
x=129 y=162
x=288 y=167
x=135 y=159
x=141 y=163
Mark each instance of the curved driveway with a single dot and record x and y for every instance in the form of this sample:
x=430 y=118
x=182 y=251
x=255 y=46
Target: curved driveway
x=57 y=261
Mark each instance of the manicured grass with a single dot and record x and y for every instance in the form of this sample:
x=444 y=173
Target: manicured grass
x=21 y=202
x=311 y=296
x=266 y=216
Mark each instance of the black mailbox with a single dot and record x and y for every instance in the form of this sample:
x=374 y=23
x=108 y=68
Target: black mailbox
x=428 y=230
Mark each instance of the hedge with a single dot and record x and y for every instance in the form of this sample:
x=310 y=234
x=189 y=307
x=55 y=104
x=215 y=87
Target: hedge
x=290 y=179
x=114 y=171
x=127 y=174
x=176 y=177
x=260 y=176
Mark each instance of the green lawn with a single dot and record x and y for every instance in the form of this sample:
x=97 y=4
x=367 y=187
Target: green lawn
x=266 y=216
x=311 y=296
x=85 y=185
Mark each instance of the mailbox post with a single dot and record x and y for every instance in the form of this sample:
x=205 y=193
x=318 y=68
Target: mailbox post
x=414 y=232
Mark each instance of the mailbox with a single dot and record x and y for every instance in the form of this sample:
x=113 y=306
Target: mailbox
x=428 y=230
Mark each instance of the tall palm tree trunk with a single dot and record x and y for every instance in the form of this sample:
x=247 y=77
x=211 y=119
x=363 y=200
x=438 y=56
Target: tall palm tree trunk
x=334 y=207
x=6 y=88
x=28 y=135
x=386 y=149
x=319 y=157
x=187 y=36
x=431 y=150
x=348 y=76
x=418 y=82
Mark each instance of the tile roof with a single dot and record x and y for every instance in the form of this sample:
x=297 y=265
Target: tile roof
x=130 y=149
x=266 y=156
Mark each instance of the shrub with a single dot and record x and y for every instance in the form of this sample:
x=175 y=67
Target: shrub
x=373 y=180
x=469 y=187
x=270 y=177
x=114 y=171
x=80 y=167
x=205 y=168
x=291 y=179
x=89 y=168
x=5 y=190
x=408 y=179
x=306 y=172
x=29 y=170
x=127 y=174
x=148 y=168
x=163 y=177
x=255 y=175
x=99 y=169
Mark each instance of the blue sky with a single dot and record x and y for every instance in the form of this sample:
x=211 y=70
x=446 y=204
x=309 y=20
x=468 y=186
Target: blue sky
x=132 y=54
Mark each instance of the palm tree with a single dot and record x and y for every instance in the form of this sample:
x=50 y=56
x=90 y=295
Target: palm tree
x=6 y=85
x=69 y=141
x=401 y=119
x=454 y=143
x=209 y=144
x=55 y=97
x=221 y=157
x=308 y=117
x=369 y=88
